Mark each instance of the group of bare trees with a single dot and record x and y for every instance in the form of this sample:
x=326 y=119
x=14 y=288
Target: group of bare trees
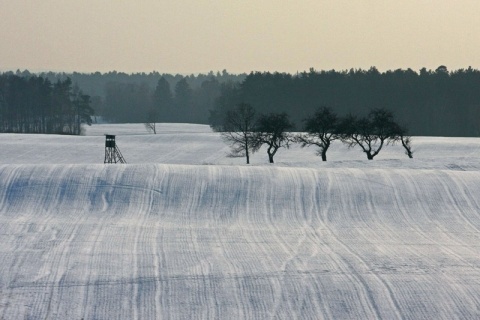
x=371 y=132
x=246 y=133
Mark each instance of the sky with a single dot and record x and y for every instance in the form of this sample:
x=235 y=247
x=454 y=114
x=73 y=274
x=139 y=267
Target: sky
x=196 y=36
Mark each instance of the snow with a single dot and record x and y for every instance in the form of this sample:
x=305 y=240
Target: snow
x=184 y=232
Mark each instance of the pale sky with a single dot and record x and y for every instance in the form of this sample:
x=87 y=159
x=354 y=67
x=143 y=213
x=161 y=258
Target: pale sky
x=196 y=36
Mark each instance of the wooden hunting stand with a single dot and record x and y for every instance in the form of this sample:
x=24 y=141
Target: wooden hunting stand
x=112 y=153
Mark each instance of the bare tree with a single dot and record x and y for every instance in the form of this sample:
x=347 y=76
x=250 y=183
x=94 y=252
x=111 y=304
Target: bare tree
x=401 y=134
x=272 y=131
x=321 y=131
x=405 y=139
x=370 y=133
x=152 y=119
x=239 y=131
x=407 y=144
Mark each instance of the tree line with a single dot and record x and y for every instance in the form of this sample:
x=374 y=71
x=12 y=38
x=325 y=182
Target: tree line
x=134 y=98
x=128 y=102
x=246 y=133
x=431 y=102
x=181 y=99
x=35 y=105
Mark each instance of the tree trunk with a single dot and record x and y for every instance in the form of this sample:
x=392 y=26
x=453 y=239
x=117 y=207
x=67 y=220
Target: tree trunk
x=270 y=158
x=369 y=156
x=271 y=152
x=406 y=145
x=324 y=155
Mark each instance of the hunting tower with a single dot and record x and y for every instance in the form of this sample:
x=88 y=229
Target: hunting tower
x=112 y=153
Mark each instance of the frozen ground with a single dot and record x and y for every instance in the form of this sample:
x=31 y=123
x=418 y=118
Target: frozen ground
x=184 y=232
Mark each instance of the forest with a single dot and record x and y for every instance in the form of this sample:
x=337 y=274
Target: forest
x=36 y=105
x=428 y=102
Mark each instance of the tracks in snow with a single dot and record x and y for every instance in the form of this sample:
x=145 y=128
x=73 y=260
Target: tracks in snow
x=175 y=242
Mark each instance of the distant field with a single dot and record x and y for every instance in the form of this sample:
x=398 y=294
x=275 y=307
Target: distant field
x=185 y=232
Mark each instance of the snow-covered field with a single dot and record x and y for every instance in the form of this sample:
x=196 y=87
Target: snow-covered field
x=185 y=232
